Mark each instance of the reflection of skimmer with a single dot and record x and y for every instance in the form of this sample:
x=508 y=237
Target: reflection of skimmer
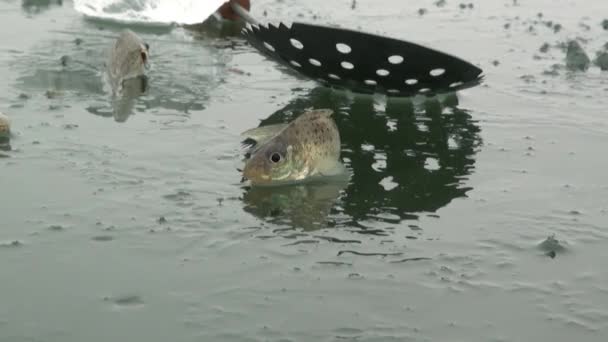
x=407 y=158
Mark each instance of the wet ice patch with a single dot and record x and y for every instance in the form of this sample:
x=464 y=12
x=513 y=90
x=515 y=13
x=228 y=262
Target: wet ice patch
x=149 y=11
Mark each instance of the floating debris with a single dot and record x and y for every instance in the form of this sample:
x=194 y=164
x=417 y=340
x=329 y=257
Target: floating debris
x=422 y=11
x=551 y=246
x=576 y=58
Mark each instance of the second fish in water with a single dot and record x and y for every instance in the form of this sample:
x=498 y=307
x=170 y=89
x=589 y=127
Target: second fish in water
x=128 y=58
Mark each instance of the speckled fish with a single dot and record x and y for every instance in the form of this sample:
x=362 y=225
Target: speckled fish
x=5 y=132
x=307 y=147
x=5 y=126
x=128 y=58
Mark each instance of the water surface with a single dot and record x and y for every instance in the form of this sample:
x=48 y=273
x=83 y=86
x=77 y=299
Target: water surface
x=130 y=223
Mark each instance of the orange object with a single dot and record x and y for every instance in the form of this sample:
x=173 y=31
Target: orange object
x=226 y=11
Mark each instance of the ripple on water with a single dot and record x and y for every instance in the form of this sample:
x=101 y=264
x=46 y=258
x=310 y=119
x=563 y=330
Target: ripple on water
x=102 y=238
x=11 y=244
x=125 y=300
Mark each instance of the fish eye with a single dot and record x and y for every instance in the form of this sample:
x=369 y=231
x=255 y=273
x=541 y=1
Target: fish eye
x=275 y=157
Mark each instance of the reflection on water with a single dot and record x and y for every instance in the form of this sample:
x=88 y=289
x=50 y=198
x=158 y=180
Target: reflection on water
x=407 y=158
x=305 y=205
x=123 y=103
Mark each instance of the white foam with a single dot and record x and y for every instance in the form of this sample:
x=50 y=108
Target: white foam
x=149 y=11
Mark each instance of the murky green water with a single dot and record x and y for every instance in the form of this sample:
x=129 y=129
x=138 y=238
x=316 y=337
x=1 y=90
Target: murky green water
x=129 y=223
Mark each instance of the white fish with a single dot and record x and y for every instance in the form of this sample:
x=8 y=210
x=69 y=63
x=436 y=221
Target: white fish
x=128 y=58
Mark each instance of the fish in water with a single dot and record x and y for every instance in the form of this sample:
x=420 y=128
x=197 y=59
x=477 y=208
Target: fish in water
x=307 y=147
x=128 y=59
x=5 y=126
x=5 y=132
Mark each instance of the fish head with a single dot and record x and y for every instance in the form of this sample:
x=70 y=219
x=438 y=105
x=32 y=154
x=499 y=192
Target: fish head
x=271 y=163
